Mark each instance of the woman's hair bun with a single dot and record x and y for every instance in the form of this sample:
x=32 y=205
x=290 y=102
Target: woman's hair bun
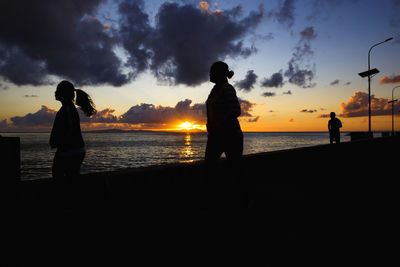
x=230 y=74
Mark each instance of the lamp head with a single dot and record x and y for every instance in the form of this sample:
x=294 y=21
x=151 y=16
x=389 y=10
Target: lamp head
x=387 y=40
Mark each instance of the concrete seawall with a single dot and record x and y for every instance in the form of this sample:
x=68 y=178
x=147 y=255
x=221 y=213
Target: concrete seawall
x=301 y=192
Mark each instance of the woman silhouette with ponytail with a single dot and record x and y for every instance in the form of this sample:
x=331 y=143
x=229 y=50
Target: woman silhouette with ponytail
x=224 y=133
x=66 y=134
x=223 y=108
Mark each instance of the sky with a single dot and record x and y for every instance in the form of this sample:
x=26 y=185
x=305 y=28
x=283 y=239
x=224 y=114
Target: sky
x=146 y=63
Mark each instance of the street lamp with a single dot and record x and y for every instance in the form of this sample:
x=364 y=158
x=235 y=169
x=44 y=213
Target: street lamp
x=392 y=102
x=369 y=83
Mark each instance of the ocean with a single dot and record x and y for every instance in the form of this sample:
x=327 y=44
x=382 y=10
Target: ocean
x=113 y=151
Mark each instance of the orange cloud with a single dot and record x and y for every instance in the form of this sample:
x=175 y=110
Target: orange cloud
x=392 y=79
x=204 y=6
x=357 y=106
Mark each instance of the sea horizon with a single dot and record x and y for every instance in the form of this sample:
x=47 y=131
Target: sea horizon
x=131 y=149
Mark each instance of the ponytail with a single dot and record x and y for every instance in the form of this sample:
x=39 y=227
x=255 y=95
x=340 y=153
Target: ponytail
x=85 y=102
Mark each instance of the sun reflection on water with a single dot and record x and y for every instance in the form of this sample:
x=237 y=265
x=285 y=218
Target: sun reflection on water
x=186 y=152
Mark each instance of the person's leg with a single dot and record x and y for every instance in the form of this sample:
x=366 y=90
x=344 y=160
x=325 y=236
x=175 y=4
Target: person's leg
x=331 y=137
x=58 y=168
x=213 y=153
x=338 y=137
x=74 y=166
x=58 y=172
x=72 y=176
x=234 y=153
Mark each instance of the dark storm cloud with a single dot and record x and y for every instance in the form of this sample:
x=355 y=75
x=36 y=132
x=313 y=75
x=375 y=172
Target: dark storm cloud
x=298 y=73
x=285 y=13
x=276 y=80
x=248 y=82
x=60 y=38
x=187 y=40
x=135 y=33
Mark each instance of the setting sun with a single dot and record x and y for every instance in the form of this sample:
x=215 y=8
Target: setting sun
x=190 y=126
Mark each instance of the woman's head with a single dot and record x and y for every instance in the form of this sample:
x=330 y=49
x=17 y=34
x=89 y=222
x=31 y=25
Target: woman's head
x=66 y=92
x=219 y=71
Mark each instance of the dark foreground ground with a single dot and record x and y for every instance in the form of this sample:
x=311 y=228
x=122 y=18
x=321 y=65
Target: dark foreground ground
x=340 y=196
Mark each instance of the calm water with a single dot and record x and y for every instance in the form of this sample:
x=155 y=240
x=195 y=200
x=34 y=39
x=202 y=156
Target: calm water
x=112 y=151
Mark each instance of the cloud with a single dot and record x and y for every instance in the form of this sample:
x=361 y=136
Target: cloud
x=246 y=107
x=186 y=41
x=134 y=34
x=357 y=106
x=57 y=38
x=335 y=82
x=49 y=40
x=103 y=116
x=390 y=80
x=268 y=94
x=308 y=110
x=255 y=119
x=43 y=117
x=287 y=93
x=28 y=96
x=248 y=82
x=308 y=34
x=285 y=13
x=298 y=73
x=137 y=116
x=324 y=116
x=276 y=80
x=151 y=114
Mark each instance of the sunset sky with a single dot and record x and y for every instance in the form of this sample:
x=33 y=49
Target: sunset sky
x=146 y=63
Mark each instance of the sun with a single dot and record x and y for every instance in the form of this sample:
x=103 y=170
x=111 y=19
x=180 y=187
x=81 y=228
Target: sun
x=188 y=126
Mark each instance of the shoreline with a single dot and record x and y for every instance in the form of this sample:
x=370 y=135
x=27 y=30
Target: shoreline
x=300 y=194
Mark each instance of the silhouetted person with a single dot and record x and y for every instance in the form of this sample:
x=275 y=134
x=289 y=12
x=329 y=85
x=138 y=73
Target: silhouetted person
x=66 y=133
x=223 y=128
x=334 y=126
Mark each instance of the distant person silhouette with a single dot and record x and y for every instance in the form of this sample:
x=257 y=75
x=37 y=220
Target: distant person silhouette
x=223 y=128
x=334 y=126
x=66 y=134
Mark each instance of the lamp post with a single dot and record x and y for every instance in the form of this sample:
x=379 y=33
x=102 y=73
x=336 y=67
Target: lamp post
x=369 y=84
x=392 y=102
